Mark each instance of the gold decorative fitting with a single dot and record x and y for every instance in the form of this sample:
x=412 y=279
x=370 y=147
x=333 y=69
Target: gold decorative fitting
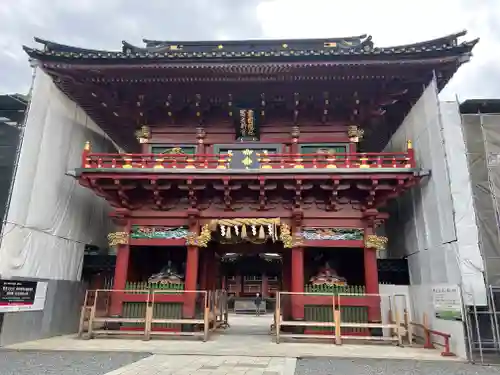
x=265 y=162
x=409 y=145
x=364 y=162
x=143 y=135
x=330 y=44
x=86 y=147
x=158 y=164
x=220 y=46
x=298 y=163
x=289 y=240
x=284 y=45
x=222 y=163
x=127 y=162
x=118 y=238
x=354 y=133
x=190 y=163
x=376 y=242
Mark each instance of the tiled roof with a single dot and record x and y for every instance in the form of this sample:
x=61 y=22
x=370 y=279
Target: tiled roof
x=349 y=48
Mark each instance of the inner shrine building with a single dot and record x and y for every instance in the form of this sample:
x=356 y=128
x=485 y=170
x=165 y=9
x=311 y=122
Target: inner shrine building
x=252 y=166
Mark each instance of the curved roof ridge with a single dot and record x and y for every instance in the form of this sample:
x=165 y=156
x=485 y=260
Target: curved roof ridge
x=442 y=40
x=58 y=47
x=153 y=42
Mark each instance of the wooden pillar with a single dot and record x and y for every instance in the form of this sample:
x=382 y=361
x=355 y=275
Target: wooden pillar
x=286 y=285
x=371 y=278
x=191 y=281
x=371 y=283
x=203 y=261
x=237 y=285
x=297 y=270
x=297 y=273
x=211 y=269
x=121 y=272
x=265 y=286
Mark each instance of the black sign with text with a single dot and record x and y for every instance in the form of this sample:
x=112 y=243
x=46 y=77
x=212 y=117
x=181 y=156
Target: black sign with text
x=17 y=292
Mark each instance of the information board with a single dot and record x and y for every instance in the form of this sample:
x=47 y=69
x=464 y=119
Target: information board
x=22 y=295
x=447 y=302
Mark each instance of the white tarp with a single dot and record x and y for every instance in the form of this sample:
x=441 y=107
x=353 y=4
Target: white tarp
x=439 y=236
x=51 y=217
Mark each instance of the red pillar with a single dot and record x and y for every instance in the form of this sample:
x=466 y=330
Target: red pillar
x=371 y=283
x=211 y=270
x=297 y=283
x=120 y=279
x=191 y=281
x=286 y=285
x=203 y=271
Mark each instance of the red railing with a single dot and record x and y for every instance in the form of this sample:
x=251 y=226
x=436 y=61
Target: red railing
x=429 y=343
x=266 y=161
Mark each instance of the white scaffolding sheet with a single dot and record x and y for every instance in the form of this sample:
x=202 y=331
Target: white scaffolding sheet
x=51 y=217
x=439 y=236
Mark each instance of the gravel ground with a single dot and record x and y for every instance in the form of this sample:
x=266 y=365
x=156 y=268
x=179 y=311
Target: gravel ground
x=333 y=366
x=63 y=363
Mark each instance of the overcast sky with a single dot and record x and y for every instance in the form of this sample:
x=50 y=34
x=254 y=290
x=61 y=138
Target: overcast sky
x=103 y=24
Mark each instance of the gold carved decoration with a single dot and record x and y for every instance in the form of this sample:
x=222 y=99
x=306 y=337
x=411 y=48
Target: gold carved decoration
x=118 y=238
x=255 y=230
x=286 y=236
x=143 y=135
x=174 y=151
x=202 y=240
x=354 y=133
x=376 y=242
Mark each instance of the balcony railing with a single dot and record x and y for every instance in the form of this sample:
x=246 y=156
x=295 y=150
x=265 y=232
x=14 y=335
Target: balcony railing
x=267 y=161
x=262 y=161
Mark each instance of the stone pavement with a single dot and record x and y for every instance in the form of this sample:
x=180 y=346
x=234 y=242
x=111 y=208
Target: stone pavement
x=245 y=348
x=213 y=365
x=339 y=366
x=231 y=345
x=14 y=362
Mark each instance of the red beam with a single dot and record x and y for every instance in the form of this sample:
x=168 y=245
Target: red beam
x=334 y=243
x=157 y=241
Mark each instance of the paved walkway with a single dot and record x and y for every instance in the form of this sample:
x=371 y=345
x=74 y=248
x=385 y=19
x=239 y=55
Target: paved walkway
x=214 y=365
